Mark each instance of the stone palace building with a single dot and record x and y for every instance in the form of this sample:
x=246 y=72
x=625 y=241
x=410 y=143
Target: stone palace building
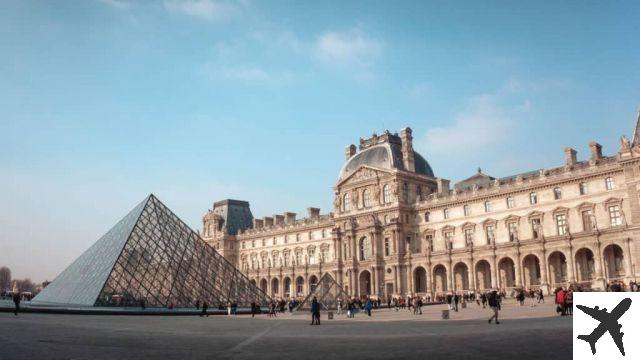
x=398 y=229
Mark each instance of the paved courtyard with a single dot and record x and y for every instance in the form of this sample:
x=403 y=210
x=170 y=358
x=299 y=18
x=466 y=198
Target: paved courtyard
x=525 y=333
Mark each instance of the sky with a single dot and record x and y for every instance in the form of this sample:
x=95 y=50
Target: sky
x=103 y=102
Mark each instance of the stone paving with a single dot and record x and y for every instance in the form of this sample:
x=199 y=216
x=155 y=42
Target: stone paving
x=523 y=334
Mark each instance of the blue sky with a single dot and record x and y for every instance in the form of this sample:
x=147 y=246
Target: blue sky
x=103 y=102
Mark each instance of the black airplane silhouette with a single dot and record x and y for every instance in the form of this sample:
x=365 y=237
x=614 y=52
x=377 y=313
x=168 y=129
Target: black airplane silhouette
x=608 y=322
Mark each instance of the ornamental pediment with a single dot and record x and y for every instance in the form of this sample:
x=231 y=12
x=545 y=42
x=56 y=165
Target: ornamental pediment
x=364 y=173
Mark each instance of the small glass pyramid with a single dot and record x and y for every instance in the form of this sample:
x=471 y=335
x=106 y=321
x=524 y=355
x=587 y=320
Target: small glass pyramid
x=327 y=292
x=152 y=256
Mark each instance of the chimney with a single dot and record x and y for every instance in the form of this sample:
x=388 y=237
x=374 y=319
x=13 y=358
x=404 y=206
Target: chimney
x=596 y=151
x=443 y=186
x=407 y=149
x=268 y=221
x=278 y=219
x=258 y=223
x=314 y=213
x=289 y=218
x=570 y=157
x=350 y=151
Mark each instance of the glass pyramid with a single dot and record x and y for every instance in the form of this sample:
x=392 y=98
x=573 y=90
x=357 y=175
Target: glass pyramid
x=327 y=292
x=151 y=255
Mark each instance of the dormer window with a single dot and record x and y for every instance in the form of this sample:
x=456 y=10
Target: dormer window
x=488 y=206
x=533 y=198
x=609 y=183
x=467 y=210
x=511 y=203
x=386 y=194
x=445 y=213
x=557 y=193
x=345 y=202
x=366 y=198
x=584 y=189
x=426 y=216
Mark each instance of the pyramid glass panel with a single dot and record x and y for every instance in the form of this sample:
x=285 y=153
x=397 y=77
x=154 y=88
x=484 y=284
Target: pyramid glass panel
x=155 y=258
x=327 y=292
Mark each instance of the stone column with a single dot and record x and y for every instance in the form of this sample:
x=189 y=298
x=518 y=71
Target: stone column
x=396 y=285
x=519 y=273
x=571 y=265
x=429 y=280
x=472 y=275
x=450 y=278
x=494 y=272
x=628 y=266
x=410 y=280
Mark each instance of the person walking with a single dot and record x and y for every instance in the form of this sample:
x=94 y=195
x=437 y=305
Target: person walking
x=339 y=307
x=494 y=304
x=560 y=301
x=253 y=309
x=205 y=306
x=315 y=312
x=456 y=300
x=16 y=302
x=368 y=306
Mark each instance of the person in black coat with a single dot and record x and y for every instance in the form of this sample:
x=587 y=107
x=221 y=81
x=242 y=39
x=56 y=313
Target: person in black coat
x=315 y=312
x=494 y=304
x=16 y=302
x=205 y=306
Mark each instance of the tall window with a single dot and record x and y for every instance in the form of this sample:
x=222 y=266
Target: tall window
x=366 y=198
x=448 y=239
x=386 y=194
x=298 y=258
x=365 y=248
x=324 y=253
x=513 y=231
x=511 y=203
x=615 y=217
x=445 y=213
x=609 y=183
x=587 y=221
x=467 y=210
x=264 y=242
x=533 y=198
x=584 y=189
x=387 y=247
x=426 y=216
x=488 y=206
x=253 y=243
x=429 y=239
x=557 y=193
x=561 y=224
x=312 y=256
x=536 y=227
x=468 y=236
x=285 y=260
x=491 y=234
x=345 y=202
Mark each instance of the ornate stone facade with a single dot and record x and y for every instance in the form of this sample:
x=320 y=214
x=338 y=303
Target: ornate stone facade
x=396 y=229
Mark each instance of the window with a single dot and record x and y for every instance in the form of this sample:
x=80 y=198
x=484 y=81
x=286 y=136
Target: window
x=299 y=258
x=468 y=236
x=609 y=183
x=584 y=189
x=264 y=242
x=467 y=210
x=536 y=227
x=414 y=243
x=448 y=239
x=429 y=239
x=511 y=203
x=366 y=198
x=445 y=213
x=533 y=198
x=426 y=216
x=588 y=222
x=488 y=207
x=245 y=264
x=324 y=253
x=386 y=194
x=405 y=191
x=615 y=217
x=491 y=234
x=324 y=233
x=310 y=236
x=244 y=246
x=253 y=243
x=345 y=202
x=557 y=193
x=286 y=238
x=387 y=247
x=365 y=248
x=419 y=193
x=312 y=256
x=513 y=231
x=561 y=224
x=297 y=237
x=274 y=241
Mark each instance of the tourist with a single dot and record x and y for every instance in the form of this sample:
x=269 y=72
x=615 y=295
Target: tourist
x=568 y=301
x=532 y=295
x=494 y=304
x=560 y=301
x=229 y=308
x=315 y=312
x=16 y=302
x=205 y=307
x=339 y=305
x=368 y=306
x=456 y=300
x=253 y=308
x=142 y=304
x=197 y=304
x=540 y=296
x=234 y=307
x=483 y=297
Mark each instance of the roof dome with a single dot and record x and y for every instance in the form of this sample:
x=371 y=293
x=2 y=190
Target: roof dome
x=384 y=156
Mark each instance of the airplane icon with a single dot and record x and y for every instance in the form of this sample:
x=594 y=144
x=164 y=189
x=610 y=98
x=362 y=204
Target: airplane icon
x=608 y=322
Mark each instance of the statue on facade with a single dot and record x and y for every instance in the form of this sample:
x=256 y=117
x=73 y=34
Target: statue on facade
x=337 y=202
x=376 y=194
x=355 y=195
x=625 y=144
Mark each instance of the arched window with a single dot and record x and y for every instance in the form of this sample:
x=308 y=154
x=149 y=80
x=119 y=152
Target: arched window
x=365 y=248
x=426 y=216
x=345 y=202
x=366 y=198
x=386 y=194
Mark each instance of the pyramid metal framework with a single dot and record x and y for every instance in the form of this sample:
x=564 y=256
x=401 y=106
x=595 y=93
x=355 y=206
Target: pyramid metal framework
x=152 y=256
x=327 y=292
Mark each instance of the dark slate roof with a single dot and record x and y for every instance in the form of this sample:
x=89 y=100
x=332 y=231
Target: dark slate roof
x=384 y=156
x=236 y=214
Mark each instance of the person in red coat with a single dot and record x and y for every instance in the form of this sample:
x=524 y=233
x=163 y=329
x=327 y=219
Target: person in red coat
x=561 y=295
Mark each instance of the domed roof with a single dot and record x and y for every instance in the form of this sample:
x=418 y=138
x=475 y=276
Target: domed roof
x=384 y=156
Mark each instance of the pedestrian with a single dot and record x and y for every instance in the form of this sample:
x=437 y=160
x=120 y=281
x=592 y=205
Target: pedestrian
x=368 y=306
x=16 y=302
x=229 y=308
x=253 y=309
x=483 y=297
x=142 y=304
x=456 y=299
x=205 y=306
x=560 y=301
x=568 y=300
x=197 y=304
x=339 y=307
x=494 y=304
x=315 y=312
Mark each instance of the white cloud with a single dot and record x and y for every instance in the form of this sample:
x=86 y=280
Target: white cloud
x=210 y=10
x=347 y=47
x=484 y=123
x=118 y=4
x=247 y=74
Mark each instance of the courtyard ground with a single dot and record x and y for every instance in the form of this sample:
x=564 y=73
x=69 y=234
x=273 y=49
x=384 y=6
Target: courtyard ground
x=524 y=333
